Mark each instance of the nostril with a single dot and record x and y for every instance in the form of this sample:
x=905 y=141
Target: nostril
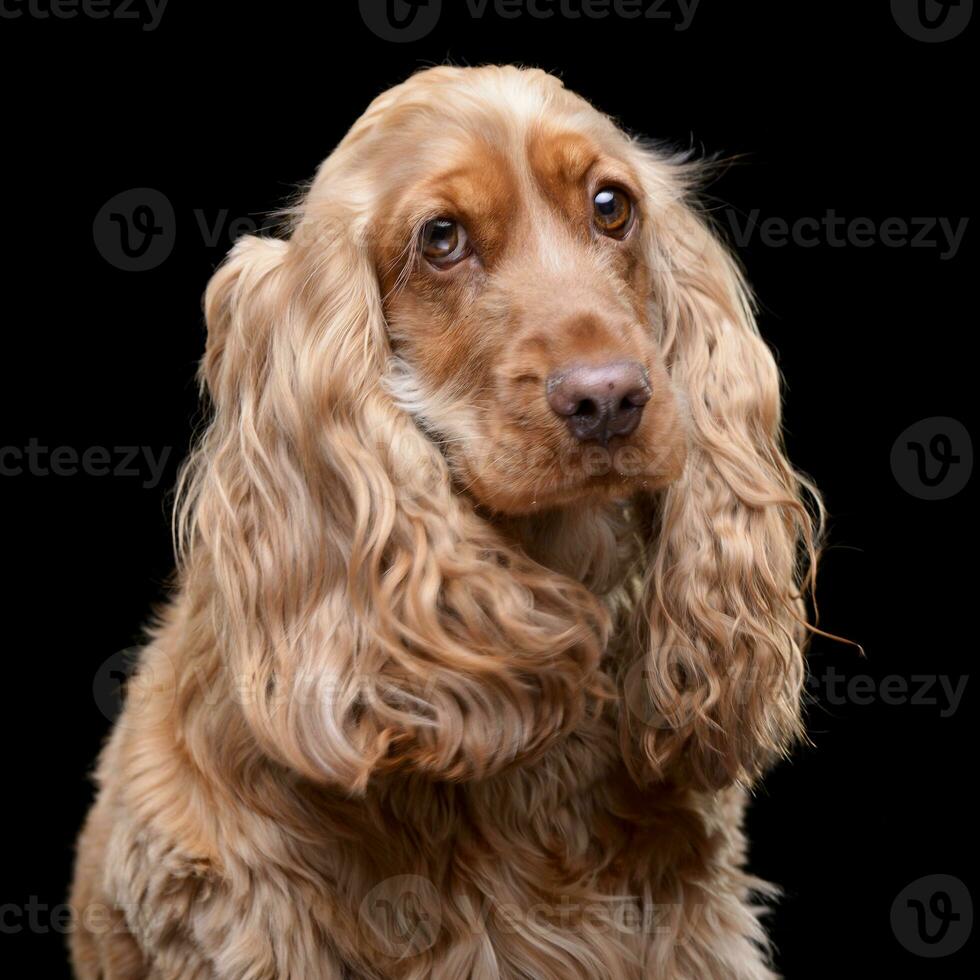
x=638 y=396
x=599 y=401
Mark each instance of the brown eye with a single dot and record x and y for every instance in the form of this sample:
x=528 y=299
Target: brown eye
x=613 y=212
x=444 y=242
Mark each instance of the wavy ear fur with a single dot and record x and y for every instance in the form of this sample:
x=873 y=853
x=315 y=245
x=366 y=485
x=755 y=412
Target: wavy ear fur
x=721 y=621
x=370 y=619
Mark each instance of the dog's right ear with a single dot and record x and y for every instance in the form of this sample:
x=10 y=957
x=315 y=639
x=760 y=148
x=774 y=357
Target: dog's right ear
x=366 y=617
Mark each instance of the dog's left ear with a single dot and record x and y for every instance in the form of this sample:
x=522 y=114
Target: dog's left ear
x=716 y=692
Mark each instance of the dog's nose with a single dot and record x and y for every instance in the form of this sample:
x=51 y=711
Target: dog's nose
x=599 y=401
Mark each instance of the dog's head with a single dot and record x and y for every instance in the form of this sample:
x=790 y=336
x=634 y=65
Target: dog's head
x=514 y=231
x=493 y=302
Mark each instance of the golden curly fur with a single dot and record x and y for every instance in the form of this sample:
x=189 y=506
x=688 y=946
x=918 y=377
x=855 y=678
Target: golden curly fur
x=444 y=693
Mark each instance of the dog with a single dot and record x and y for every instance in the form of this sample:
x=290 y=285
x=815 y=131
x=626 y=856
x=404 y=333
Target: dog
x=491 y=594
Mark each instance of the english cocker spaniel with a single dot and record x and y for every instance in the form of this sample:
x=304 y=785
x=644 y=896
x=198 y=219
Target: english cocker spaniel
x=490 y=597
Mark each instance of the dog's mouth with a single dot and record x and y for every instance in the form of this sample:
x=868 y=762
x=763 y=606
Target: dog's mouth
x=517 y=459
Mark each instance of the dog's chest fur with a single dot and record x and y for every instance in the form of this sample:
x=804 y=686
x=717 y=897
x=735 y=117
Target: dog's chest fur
x=553 y=869
x=557 y=869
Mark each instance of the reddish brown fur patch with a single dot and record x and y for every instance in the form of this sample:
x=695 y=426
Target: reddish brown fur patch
x=562 y=163
x=479 y=190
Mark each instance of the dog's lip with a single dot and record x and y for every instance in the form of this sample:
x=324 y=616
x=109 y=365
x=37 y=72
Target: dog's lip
x=577 y=471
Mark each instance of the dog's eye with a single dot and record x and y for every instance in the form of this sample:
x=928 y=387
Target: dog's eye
x=613 y=212
x=444 y=242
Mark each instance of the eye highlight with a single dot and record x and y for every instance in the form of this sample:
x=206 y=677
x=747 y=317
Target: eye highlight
x=612 y=212
x=444 y=242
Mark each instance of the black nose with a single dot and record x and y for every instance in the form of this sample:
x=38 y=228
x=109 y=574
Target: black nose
x=599 y=401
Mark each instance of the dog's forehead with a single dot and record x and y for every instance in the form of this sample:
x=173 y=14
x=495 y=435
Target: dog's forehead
x=499 y=158
x=490 y=123
x=442 y=116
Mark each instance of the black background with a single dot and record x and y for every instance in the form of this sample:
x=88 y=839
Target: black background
x=226 y=109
